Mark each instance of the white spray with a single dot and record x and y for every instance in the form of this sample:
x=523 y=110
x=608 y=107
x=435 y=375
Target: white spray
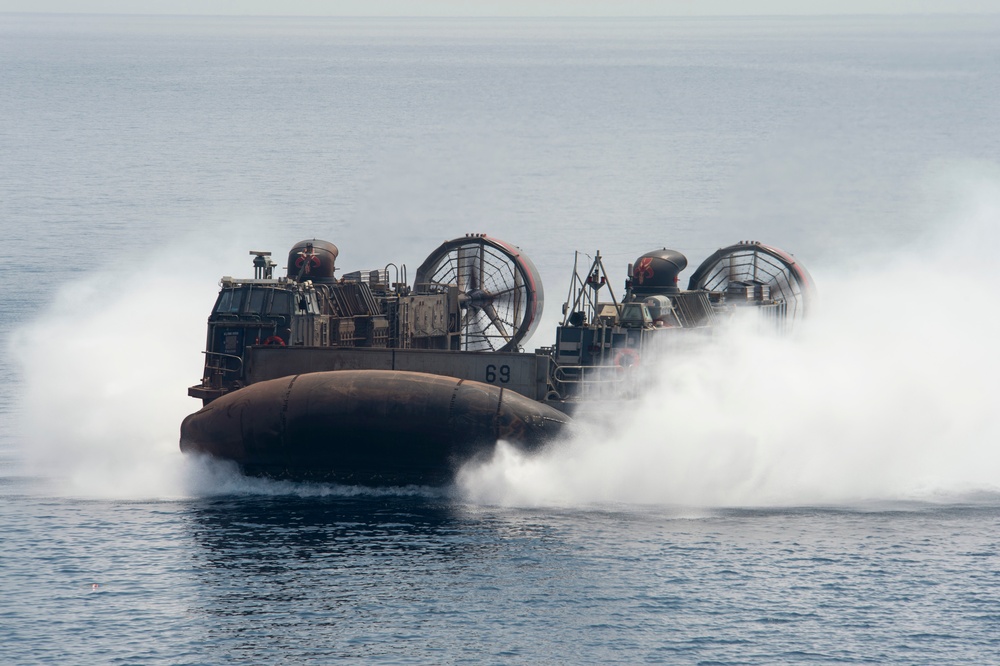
x=887 y=393
x=106 y=365
x=104 y=371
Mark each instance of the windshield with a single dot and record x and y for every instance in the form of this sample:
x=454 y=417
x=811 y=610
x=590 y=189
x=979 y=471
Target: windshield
x=229 y=301
x=281 y=303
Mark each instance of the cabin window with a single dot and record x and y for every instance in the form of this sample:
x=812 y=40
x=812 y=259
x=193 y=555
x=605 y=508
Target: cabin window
x=281 y=303
x=255 y=305
x=229 y=302
x=635 y=314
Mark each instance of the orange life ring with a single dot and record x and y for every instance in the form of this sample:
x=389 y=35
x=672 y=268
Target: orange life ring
x=274 y=340
x=627 y=358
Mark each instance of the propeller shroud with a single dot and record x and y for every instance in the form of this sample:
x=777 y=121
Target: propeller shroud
x=500 y=291
x=751 y=261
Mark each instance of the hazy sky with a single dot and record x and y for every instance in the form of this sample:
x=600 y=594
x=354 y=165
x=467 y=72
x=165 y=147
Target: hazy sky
x=505 y=8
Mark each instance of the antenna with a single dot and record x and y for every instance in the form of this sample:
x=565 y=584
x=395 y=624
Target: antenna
x=263 y=267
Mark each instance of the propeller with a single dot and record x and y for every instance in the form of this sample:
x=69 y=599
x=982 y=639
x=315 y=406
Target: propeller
x=499 y=290
x=752 y=262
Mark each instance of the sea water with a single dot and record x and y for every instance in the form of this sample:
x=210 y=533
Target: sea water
x=830 y=496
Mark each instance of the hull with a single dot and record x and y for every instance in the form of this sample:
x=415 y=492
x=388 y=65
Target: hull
x=373 y=427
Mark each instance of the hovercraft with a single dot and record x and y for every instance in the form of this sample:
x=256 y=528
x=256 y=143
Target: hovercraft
x=366 y=379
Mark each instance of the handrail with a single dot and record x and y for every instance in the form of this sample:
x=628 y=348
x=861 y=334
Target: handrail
x=223 y=368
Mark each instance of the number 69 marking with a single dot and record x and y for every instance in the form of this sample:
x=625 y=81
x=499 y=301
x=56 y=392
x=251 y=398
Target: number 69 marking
x=491 y=374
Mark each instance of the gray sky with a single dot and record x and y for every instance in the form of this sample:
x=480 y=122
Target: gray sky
x=505 y=8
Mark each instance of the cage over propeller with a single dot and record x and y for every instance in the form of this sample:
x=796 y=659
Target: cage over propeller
x=499 y=289
x=755 y=265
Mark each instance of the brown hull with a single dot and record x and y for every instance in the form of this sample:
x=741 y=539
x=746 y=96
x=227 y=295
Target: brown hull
x=366 y=426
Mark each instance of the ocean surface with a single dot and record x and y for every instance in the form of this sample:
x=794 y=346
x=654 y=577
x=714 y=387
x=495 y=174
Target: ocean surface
x=831 y=496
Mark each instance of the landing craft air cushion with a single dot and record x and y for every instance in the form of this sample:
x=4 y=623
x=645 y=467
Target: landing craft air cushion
x=370 y=380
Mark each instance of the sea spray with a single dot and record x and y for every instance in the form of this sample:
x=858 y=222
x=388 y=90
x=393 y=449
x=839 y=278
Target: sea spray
x=886 y=393
x=105 y=368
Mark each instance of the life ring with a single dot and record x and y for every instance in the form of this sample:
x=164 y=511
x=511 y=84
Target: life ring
x=274 y=340
x=627 y=358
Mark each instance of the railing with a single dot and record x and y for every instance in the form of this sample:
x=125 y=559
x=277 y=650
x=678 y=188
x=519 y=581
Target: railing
x=593 y=382
x=221 y=369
